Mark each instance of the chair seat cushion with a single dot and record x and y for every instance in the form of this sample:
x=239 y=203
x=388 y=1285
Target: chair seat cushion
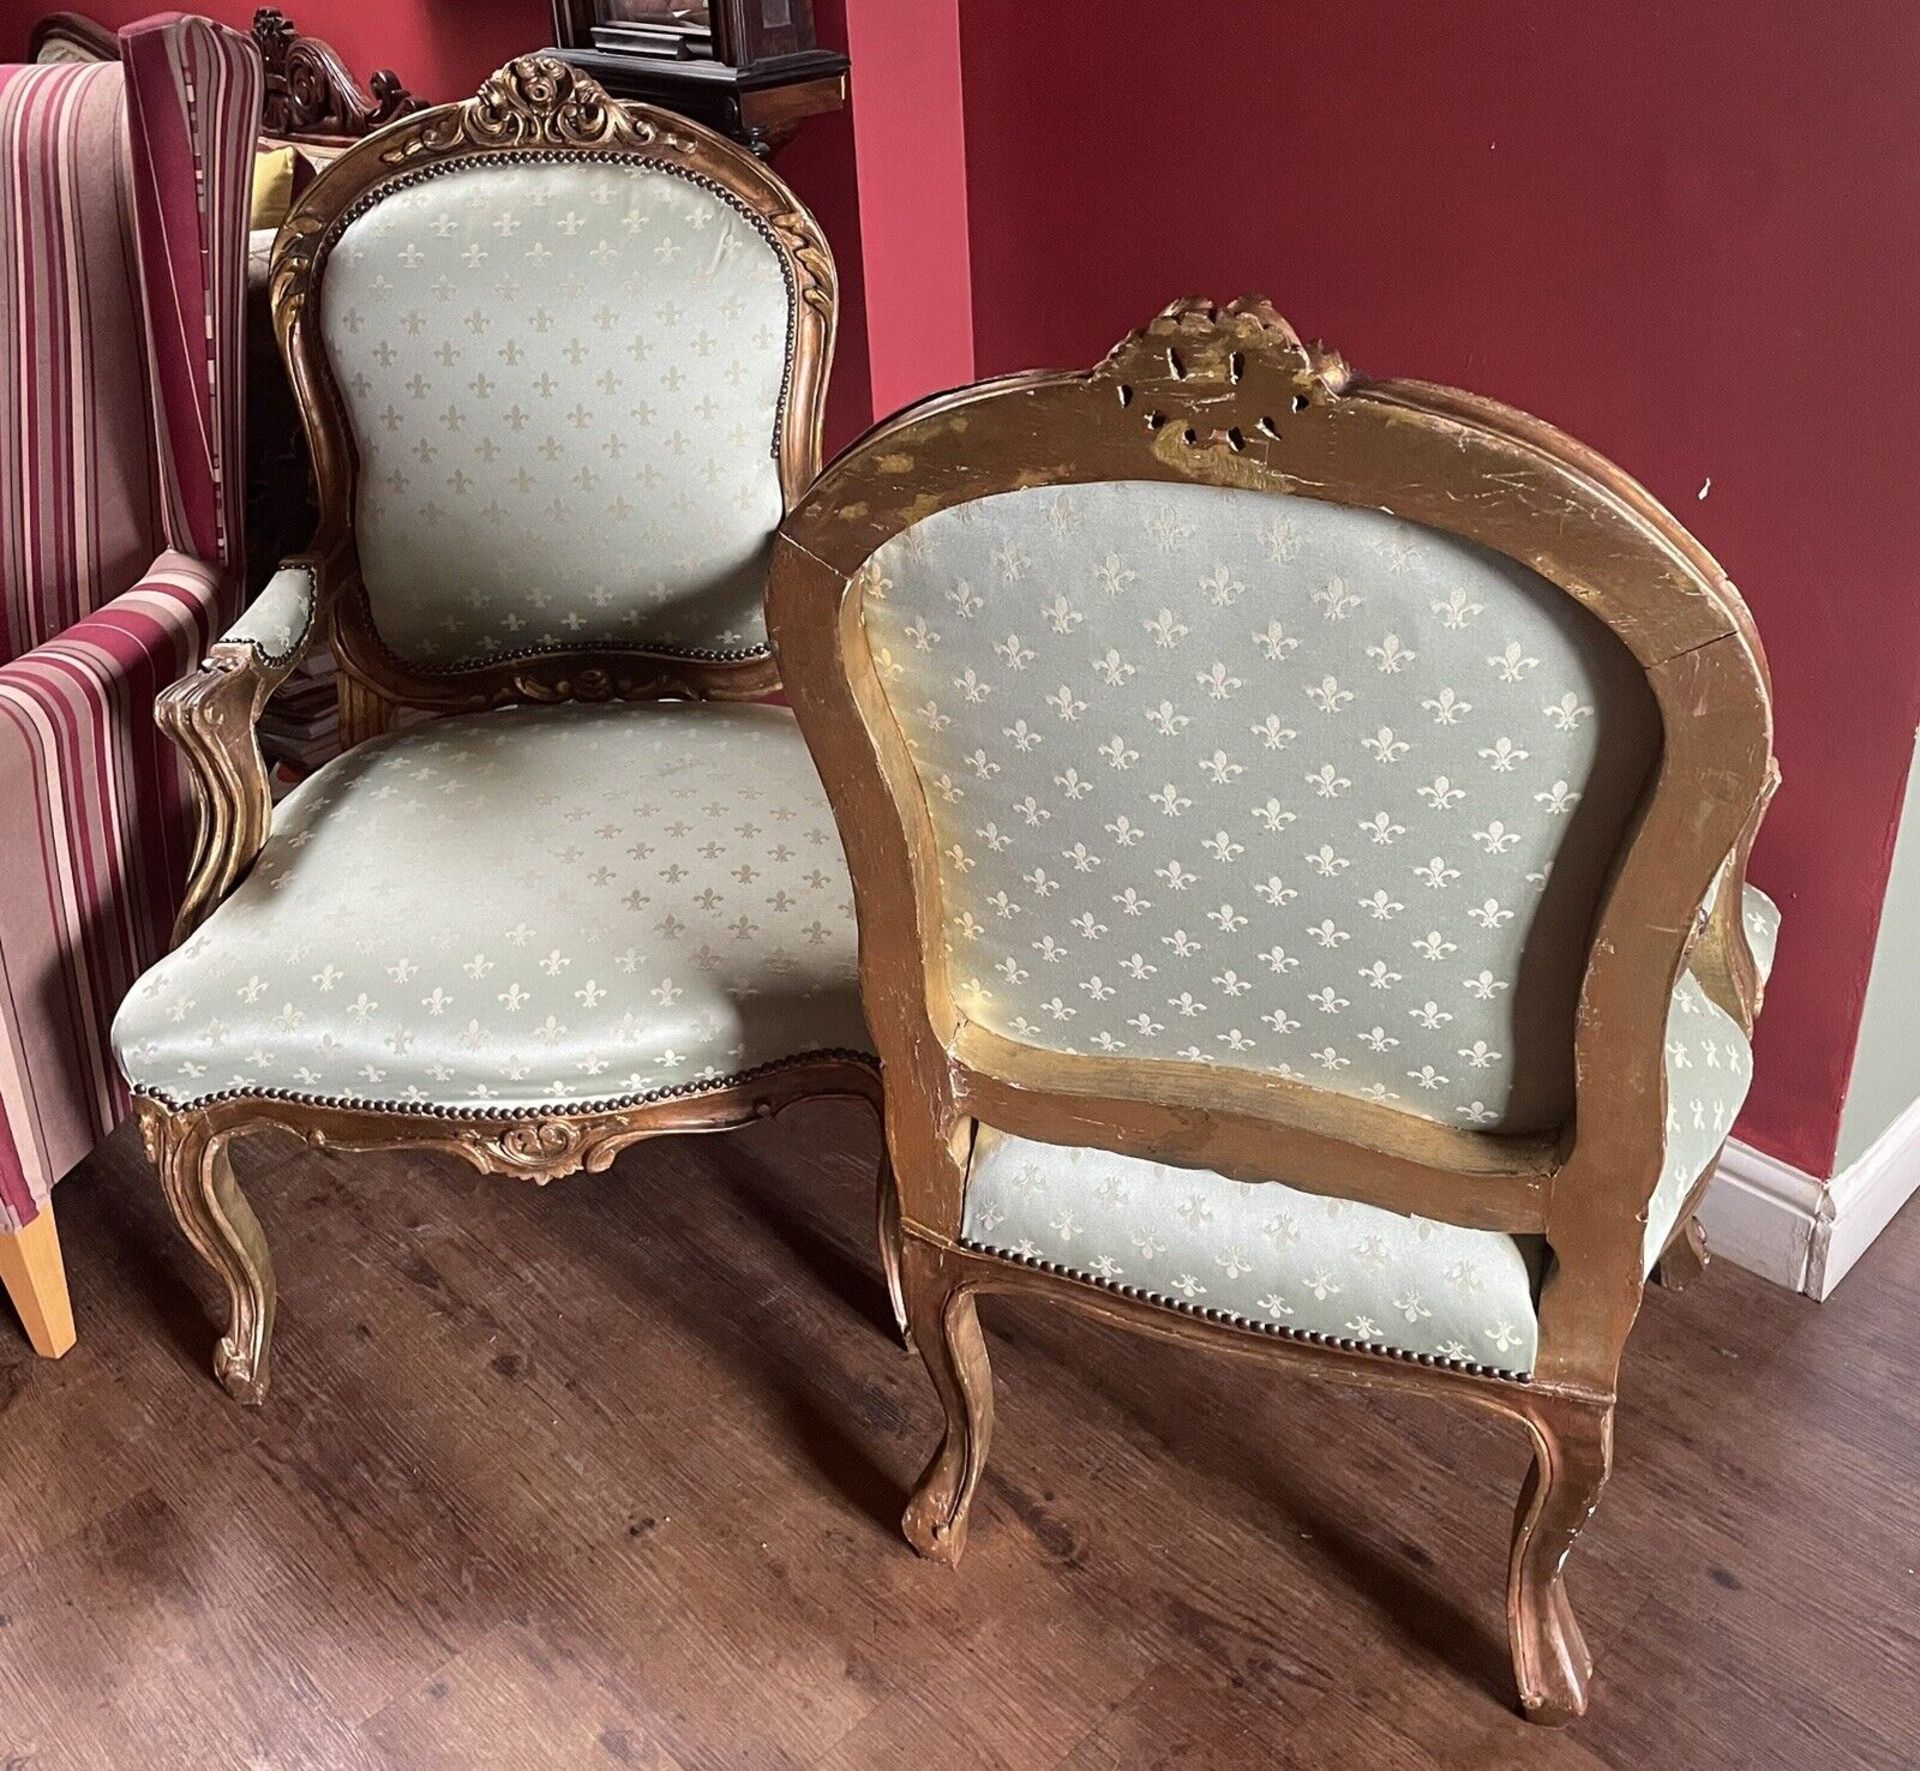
x=1265 y=1255
x=1262 y=1254
x=533 y=909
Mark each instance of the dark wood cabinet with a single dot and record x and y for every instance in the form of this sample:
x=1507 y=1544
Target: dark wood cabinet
x=748 y=68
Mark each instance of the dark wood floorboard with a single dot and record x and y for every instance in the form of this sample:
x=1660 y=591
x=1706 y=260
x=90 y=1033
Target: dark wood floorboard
x=608 y=1475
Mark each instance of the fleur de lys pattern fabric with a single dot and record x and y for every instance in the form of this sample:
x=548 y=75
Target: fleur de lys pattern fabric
x=535 y=909
x=1232 y=777
x=123 y=190
x=1709 y=1070
x=563 y=380
x=1260 y=1253
x=1268 y=1256
x=277 y=620
x=1762 y=917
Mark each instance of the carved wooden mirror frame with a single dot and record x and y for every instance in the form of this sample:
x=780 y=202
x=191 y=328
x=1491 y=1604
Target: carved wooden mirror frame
x=1234 y=398
x=536 y=108
x=533 y=107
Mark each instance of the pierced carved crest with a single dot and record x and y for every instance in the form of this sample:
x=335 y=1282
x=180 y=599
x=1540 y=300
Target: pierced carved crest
x=1218 y=378
x=537 y=101
x=1197 y=341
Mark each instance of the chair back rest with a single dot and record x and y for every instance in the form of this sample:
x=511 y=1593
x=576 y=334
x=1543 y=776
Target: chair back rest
x=123 y=189
x=1251 y=767
x=561 y=362
x=1231 y=775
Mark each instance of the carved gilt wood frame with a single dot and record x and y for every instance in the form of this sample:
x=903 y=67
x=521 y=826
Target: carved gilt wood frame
x=535 y=108
x=1233 y=397
x=539 y=106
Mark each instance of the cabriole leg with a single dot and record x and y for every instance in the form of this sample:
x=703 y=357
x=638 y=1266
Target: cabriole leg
x=207 y=1205
x=1572 y=1454
x=941 y=1318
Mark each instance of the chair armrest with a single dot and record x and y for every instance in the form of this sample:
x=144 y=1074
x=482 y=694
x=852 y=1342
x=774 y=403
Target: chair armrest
x=210 y=716
x=280 y=623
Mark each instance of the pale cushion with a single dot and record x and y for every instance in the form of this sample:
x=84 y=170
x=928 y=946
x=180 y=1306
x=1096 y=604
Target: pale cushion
x=564 y=383
x=1762 y=917
x=1709 y=1070
x=1263 y=1255
x=533 y=909
x=1233 y=777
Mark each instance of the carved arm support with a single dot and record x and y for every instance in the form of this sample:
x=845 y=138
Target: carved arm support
x=211 y=715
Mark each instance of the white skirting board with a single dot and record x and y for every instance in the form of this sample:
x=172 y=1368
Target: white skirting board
x=1780 y=1222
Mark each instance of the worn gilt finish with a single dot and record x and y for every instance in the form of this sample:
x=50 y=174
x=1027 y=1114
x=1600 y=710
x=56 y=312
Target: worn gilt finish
x=1234 y=397
x=534 y=108
x=541 y=105
x=190 y=1150
x=211 y=716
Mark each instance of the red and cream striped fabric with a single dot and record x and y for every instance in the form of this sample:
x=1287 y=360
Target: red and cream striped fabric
x=94 y=842
x=123 y=218
x=79 y=510
x=193 y=106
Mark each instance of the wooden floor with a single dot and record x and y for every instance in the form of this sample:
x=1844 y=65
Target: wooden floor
x=608 y=1476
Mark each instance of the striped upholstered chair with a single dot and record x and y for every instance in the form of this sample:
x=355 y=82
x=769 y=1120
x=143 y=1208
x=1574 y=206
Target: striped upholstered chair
x=123 y=216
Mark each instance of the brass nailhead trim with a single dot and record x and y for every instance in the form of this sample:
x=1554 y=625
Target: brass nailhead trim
x=506 y=1115
x=1233 y=1319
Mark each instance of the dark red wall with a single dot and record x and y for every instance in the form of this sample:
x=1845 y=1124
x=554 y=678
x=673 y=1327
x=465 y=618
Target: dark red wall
x=1689 y=233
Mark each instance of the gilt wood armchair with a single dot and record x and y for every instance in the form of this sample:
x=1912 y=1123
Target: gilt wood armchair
x=561 y=362
x=1299 y=829
x=123 y=236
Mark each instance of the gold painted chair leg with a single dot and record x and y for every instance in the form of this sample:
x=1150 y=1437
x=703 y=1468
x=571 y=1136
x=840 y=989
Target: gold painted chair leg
x=208 y=1206
x=1572 y=1454
x=1684 y=1258
x=36 y=1281
x=947 y=1332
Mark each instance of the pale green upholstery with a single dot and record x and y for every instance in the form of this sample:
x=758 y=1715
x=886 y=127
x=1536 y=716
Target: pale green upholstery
x=1709 y=1069
x=540 y=908
x=1267 y=1256
x=1260 y=1254
x=1256 y=780
x=276 y=622
x=1762 y=917
x=1236 y=777
x=562 y=379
